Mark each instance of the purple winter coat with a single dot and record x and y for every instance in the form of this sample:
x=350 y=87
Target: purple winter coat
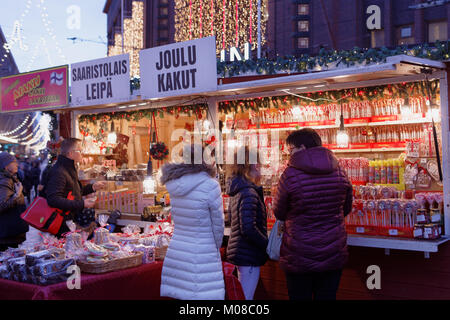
x=314 y=194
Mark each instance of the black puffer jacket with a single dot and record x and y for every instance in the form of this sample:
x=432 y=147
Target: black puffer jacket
x=11 y=207
x=63 y=178
x=248 y=240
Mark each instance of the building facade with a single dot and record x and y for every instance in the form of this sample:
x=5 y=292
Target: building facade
x=7 y=64
x=290 y=27
x=344 y=24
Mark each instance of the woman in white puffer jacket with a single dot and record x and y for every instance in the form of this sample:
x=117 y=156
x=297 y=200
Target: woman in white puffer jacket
x=192 y=268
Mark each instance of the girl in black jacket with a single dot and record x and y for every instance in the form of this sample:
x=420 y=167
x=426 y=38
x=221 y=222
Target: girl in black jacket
x=248 y=239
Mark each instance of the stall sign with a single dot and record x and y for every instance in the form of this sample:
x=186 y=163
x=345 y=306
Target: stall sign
x=41 y=89
x=179 y=68
x=101 y=81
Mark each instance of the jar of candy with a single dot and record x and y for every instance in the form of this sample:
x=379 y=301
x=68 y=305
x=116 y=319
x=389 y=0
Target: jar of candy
x=423 y=216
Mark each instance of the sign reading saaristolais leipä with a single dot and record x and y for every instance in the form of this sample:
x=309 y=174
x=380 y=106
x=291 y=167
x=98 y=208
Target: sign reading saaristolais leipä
x=35 y=90
x=101 y=81
x=179 y=68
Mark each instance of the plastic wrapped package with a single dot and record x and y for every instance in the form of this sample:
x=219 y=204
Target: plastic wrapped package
x=101 y=236
x=53 y=278
x=11 y=263
x=147 y=251
x=3 y=272
x=131 y=229
x=47 y=268
x=40 y=256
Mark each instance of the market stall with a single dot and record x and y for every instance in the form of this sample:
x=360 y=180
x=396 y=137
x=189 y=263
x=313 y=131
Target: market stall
x=392 y=113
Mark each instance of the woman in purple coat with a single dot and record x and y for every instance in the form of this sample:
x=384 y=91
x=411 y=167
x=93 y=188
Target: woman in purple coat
x=313 y=197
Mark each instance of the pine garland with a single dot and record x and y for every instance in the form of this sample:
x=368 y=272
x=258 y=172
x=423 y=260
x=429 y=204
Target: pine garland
x=390 y=91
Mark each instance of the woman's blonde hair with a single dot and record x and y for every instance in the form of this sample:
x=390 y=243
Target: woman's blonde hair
x=243 y=160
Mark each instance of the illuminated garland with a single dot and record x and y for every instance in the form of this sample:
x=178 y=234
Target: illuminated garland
x=137 y=115
x=133 y=37
x=327 y=58
x=226 y=23
x=317 y=98
x=305 y=63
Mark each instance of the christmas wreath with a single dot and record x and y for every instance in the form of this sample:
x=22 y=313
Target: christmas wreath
x=159 y=151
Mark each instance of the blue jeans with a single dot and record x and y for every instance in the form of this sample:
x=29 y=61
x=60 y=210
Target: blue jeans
x=314 y=285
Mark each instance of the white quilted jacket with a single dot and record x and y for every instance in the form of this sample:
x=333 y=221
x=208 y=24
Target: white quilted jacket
x=192 y=268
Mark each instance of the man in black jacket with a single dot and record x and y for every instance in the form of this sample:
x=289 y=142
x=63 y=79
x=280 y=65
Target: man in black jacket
x=63 y=179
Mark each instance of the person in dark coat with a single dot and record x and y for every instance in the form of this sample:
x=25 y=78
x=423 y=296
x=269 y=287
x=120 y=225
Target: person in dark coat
x=248 y=239
x=313 y=197
x=35 y=174
x=42 y=187
x=12 y=203
x=63 y=179
x=25 y=178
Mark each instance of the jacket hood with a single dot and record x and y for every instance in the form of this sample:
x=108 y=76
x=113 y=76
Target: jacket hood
x=180 y=179
x=317 y=160
x=237 y=183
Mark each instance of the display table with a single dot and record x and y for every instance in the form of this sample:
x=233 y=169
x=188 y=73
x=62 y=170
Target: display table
x=139 y=283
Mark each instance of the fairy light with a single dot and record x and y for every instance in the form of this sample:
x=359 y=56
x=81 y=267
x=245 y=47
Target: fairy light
x=24 y=122
x=133 y=37
x=201 y=18
x=237 y=23
x=190 y=21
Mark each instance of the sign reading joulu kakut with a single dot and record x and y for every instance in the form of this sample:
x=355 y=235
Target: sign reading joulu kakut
x=178 y=69
x=101 y=81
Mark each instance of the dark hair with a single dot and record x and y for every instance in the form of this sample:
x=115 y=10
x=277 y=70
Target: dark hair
x=307 y=137
x=243 y=169
x=68 y=144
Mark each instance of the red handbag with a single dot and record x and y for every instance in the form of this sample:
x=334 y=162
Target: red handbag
x=43 y=217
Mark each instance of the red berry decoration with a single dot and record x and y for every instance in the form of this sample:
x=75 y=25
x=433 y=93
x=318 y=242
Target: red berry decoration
x=159 y=151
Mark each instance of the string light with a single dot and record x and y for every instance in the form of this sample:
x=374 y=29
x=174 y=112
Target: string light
x=133 y=37
x=189 y=25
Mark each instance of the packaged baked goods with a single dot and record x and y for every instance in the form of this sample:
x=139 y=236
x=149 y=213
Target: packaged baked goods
x=148 y=253
x=40 y=256
x=74 y=242
x=53 y=278
x=95 y=250
x=49 y=267
x=101 y=236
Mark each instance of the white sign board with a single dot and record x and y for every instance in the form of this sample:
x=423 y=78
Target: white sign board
x=180 y=68
x=100 y=81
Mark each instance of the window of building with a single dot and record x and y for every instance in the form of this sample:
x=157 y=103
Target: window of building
x=303 y=9
x=437 y=31
x=163 y=2
x=377 y=38
x=163 y=11
x=163 y=23
x=405 y=35
x=302 y=43
x=303 y=26
x=163 y=34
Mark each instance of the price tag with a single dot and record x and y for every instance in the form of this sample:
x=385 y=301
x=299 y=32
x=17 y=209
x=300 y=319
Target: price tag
x=393 y=232
x=421 y=218
x=359 y=230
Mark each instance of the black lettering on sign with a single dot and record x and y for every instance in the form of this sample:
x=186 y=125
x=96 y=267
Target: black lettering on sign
x=99 y=90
